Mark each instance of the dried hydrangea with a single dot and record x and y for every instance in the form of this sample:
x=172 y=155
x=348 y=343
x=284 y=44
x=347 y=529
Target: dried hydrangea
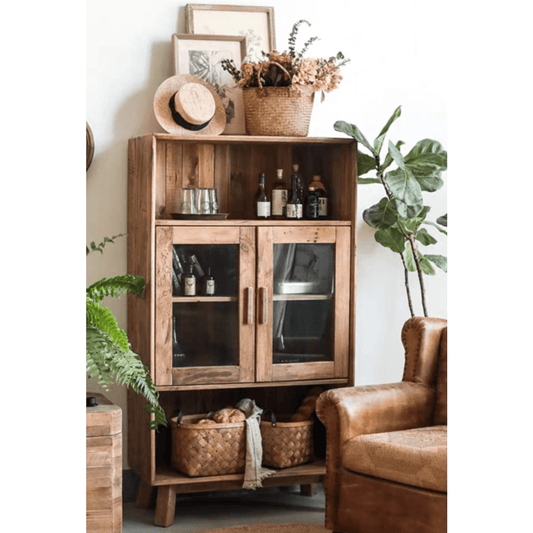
x=290 y=69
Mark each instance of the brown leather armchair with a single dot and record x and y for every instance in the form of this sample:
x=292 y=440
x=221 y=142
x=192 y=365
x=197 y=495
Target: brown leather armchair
x=386 y=457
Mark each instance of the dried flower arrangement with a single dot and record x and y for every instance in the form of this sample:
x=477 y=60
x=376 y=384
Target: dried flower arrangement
x=290 y=69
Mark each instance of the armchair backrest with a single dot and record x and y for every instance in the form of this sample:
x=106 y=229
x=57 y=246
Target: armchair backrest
x=425 y=343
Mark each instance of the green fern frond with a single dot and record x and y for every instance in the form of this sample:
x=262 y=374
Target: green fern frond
x=103 y=319
x=106 y=359
x=116 y=287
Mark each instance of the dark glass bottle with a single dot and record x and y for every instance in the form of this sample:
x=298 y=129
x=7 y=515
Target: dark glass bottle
x=189 y=282
x=294 y=205
x=296 y=173
x=280 y=195
x=320 y=191
x=262 y=202
x=209 y=283
x=311 y=204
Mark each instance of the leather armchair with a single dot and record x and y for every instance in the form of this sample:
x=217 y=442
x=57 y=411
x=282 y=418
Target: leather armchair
x=386 y=455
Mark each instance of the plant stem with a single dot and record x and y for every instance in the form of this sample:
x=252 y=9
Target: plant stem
x=406 y=276
x=419 y=272
x=406 y=272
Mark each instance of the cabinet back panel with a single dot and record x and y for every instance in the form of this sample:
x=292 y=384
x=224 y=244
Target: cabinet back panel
x=234 y=168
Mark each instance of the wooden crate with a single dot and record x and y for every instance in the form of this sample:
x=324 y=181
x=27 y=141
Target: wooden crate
x=104 y=467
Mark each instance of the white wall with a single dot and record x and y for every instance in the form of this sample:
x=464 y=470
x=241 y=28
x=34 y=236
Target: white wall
x=397 y=52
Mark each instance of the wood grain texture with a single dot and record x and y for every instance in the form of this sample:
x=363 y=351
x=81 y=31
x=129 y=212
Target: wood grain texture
x=159 y=165
x=104 y=467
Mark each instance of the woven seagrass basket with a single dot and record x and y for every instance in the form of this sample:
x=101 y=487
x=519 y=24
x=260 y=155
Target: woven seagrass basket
x=277 y=111
x=286 y=443
x=209 y=449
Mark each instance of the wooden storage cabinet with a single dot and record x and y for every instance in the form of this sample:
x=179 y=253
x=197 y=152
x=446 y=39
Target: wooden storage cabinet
x=282 y=317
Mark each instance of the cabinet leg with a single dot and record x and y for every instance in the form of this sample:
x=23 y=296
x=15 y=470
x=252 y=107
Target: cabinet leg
x=146 y=496
x=308 y=490
x=166 y=506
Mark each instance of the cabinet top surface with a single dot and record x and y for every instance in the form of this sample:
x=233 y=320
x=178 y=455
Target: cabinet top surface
x=225 y=139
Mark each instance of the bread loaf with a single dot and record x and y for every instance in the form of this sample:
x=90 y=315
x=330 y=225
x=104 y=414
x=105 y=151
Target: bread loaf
x=229 y=415
x=307 y=407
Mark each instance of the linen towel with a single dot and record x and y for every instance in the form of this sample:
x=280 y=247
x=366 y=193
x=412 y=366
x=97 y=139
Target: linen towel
x=254 y=473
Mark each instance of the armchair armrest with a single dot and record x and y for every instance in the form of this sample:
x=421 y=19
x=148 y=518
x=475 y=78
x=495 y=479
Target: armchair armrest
x=353 y=411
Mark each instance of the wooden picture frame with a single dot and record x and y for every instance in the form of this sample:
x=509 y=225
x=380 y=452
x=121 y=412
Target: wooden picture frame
x=256 y=23
x=201 y=55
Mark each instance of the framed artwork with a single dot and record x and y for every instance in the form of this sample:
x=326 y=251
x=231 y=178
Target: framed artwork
x=253 y=22
x=201 y=55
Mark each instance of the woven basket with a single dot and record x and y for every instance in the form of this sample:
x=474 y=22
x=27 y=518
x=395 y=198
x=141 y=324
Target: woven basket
x=207 y=449
x=286 y=443
x=278 y=111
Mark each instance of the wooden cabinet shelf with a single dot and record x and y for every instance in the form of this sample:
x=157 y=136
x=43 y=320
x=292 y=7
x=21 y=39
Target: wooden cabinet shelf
x=282 y=319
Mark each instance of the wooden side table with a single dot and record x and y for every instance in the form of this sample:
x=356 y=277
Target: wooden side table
x=104 y=467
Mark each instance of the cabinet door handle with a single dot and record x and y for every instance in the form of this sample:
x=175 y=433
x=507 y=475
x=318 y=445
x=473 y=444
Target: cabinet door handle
x=250 y=311
x=264 y=298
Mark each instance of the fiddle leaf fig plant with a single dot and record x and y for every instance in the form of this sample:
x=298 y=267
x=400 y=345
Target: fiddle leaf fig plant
x=108 y=351
x=400 y=216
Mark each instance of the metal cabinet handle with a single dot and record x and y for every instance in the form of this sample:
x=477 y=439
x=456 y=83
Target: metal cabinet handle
x=250 y=314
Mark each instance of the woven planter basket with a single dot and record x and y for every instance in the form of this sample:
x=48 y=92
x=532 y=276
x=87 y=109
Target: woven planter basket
x=277 y=111
x=207 y=449
x=286 y=443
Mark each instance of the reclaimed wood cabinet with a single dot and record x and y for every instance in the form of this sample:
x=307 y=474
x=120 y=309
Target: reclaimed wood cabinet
x=282 y=317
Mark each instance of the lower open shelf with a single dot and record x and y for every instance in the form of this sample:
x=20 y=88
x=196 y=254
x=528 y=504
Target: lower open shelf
x=303 y=474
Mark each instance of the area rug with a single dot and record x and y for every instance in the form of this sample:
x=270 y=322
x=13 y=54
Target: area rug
x=272 y=528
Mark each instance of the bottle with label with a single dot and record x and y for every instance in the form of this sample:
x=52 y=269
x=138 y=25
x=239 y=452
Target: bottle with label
x=209 y=283
x=295 y=172
x=189 y=282
x=294 y=205
x=262 y=202
x=280 y=195
x=320 y=191
x=311 y=204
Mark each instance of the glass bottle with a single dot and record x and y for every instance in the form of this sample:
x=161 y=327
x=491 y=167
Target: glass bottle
x=209 y=283
x=294 y=205
x=311 y=206
x=279 y=196
x=262 y=202
x=296 y=173
x=322 y=194
x=178 y=354
x=189 y=282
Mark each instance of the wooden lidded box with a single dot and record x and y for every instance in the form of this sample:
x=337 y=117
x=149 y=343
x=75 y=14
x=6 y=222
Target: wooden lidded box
x=104 y=467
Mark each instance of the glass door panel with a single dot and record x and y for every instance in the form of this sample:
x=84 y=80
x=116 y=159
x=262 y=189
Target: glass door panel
x=204 y=335
x=302 y=331
x=304 y=280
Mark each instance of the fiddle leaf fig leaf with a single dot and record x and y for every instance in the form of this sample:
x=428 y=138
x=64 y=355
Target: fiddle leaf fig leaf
x=426 y=161
x=378 y=143
x=425 y=238
x=439 y=260
x=365 y=163
x=355 y=132
x=443 y=220
x=404 y=187
x=412 y=224
x=367 y=181
x=388 y=158
x=425 y=265
x=382 y=215
x=409 y=260
x=391 y=238
x=435 y=226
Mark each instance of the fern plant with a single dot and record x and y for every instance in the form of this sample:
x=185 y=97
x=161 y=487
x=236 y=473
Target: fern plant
x=108 y=351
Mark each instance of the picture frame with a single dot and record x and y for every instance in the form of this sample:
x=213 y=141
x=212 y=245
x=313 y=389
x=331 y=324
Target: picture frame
x=201 y=55
x=256 y=23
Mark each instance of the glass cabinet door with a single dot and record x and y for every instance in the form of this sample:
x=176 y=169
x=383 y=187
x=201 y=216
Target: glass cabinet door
x=302 y=273
x=204 y=305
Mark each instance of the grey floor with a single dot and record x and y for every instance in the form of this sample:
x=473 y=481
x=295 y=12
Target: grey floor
x=200 y=512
